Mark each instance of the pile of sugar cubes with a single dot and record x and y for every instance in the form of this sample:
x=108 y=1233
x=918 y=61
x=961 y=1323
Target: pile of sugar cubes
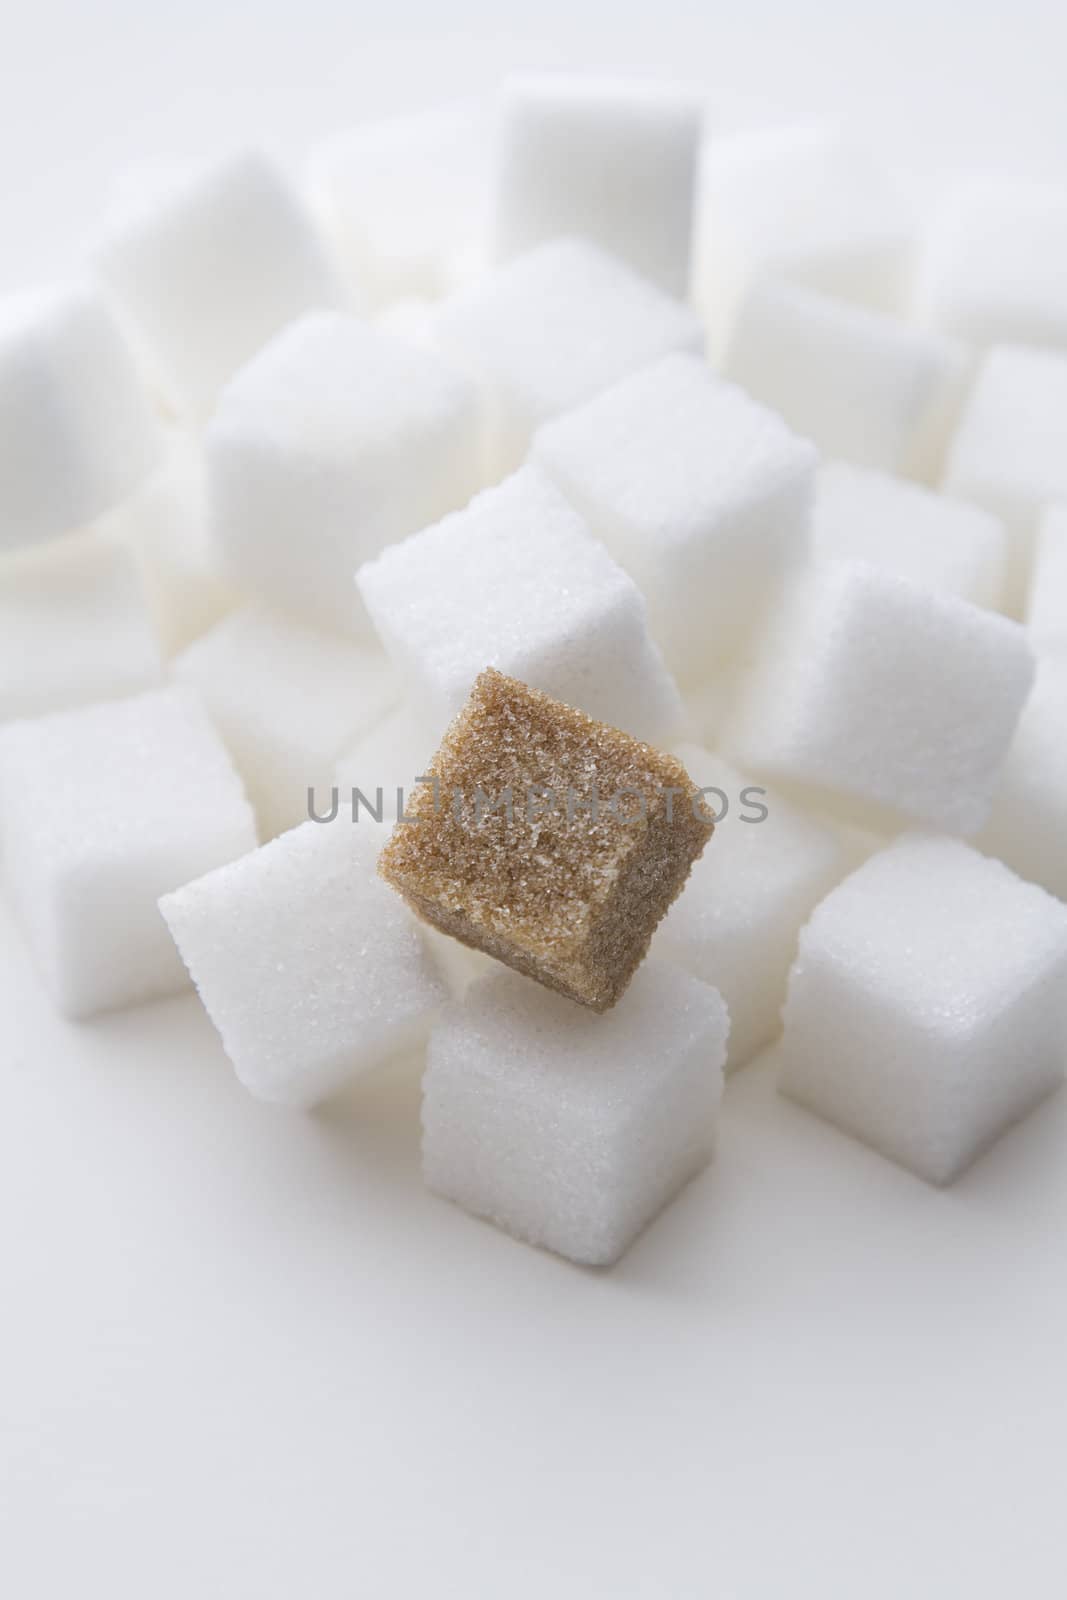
x=570 y=592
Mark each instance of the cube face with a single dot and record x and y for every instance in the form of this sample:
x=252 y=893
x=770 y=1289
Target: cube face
x=700 y=493
x=737 y=920
x=801 y=204
x=611 y=161
x=572 y=1132
x=1026 y=822
x=74 y=627
x=882 y=701
x=517 y=582
x=926 y=1006
x=1046 y=612
x=76 y=428
x=207 y=270
x=908 y=530
x=1009 y=452
x=551 y=329
x=863 y=387
x=333 y=442
x=311 y=971
x=103 y=810
x=996 y=264
x=550 y=841
x=287 y=700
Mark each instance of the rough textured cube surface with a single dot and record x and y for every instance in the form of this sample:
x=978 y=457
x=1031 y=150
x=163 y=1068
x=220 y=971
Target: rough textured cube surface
x=311 y=970
x=550 y=841
x=1027 y=825
x=802 y=204
x=102 y=810
x=567 y=1130
x=608 y=160
x=74 y=626
x=1046 y=614
x=936 y=542
x=736 y=922
x=996 y=264
x=76 y=428
x=882 y=700
x=333 y=442
x=863 y=386
x=517 y=581
x=700 y=493
x=551 y=329
x=1009 y=453
x=403 y=199
x=287 y=700
x=928 y=1004
x=208 y=267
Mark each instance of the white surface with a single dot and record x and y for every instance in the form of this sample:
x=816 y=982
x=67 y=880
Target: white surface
x=244 y=1356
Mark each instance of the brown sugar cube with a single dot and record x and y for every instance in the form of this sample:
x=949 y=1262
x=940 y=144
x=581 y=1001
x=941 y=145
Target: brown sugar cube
x=547 y=839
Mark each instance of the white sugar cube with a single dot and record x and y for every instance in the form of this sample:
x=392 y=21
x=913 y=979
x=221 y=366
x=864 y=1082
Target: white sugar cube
x=1027 y=825
x=1009 y=452
x=803 y=204
x=334 y=441
x=516 y=581
x=287 y=699
x=995 y=269
x=553 y=328
x=166 y=528
x=403 y=199
x=1046 y=614
x=881 y=700
x=102 y=810
x=206 y=269
x=936 y=542
x=569 y=1130
x=311 y=970
x=736 y=922
x=863 y=386
x=927 y=1008
x=74 y=626
x=700 y=493
x=382 y=763
x=77 y=431
x=605 y=159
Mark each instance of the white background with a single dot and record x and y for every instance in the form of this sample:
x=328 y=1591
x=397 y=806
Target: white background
x=241 y=1353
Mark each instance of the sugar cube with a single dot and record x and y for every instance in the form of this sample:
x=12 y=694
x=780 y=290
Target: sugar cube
x=806 y=205
x=1026 y=826
x=928 y=1003
x=517 y=581
x=942 y=544
x=77 y=431
x=606 y=159
x=995 y=269
x=1009 y=452
x=1046 y=614
x=74 y=626
x=334 y=441
x=566 y=1130
x=736 y=922
x=548 y=840
x=206 y=269
x=102 y=810
x=311 y=971
x=881 y=700
x=382 y=764
x=404 y=198
x=700 y=493
x=552 y=328
x=863 y=386
x=165 y=527
x=286 y=699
